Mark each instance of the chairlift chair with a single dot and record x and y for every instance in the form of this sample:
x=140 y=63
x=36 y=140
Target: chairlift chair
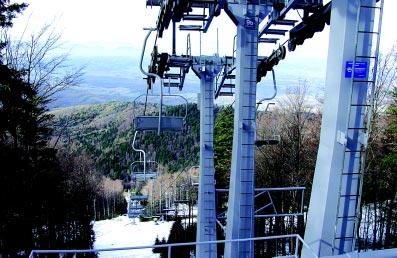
x=161 y=122
x=160 y=64
x=267 y=136
x=143 y=172
x=135 y=207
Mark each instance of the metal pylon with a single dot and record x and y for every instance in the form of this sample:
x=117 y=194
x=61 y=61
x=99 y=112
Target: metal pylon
x=207 y=67
x=240 y=214
x=358 y=126
x=335 y=198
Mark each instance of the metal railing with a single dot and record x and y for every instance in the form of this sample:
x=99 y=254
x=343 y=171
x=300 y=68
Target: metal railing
x=296 y=253
x=269 y=192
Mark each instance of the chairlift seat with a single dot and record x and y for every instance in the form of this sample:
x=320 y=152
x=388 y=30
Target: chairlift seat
x=136 y=207
x=144 y=176
x=166 y=210
x=134 y=197
x=260 y=143
x=181 y=201
x=151 y=123
x=267 y=139
x=133 y=214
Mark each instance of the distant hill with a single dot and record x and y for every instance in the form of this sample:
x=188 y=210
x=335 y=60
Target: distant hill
x=105 y=132
x=118 y=78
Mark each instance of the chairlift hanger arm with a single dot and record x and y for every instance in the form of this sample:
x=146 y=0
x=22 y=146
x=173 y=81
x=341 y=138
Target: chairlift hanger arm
x=149 y=74
x=274 y=87
x=139 y=150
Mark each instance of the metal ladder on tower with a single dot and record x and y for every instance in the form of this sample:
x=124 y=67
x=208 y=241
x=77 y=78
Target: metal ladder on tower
x=360 y=132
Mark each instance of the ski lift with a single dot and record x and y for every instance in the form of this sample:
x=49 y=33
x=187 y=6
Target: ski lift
x=142 y=170
x=160 y=122
x=135 y=208
x=267 y=136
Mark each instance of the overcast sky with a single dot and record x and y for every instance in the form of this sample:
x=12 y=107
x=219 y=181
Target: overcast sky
x=100 y=24
x=93 y=28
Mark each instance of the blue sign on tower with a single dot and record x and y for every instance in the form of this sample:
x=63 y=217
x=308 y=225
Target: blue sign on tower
x=360 y=69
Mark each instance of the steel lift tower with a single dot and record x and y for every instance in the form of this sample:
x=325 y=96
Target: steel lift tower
x=240 y=214
x=207 y=68
x=331 y=227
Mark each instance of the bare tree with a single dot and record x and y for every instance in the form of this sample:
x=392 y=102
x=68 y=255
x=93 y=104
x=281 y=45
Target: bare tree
x=41 y=57
x=378 y=202
x=291 y=162
x=386 y=79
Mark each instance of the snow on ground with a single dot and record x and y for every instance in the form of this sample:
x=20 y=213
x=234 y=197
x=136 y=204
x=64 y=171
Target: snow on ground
x=122 y=232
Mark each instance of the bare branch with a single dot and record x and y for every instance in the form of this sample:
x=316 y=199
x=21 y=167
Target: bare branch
x=42 y=60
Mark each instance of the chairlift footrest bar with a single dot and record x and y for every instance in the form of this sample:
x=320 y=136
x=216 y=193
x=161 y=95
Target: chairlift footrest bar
x=260 y=143
x=172 y=84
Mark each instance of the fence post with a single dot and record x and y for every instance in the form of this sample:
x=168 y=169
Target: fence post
x=169 y=251
x=296 y=246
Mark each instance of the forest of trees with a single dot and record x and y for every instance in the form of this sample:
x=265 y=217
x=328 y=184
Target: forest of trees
x=105 y=132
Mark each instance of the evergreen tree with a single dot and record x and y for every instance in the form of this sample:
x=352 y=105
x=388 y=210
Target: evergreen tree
x=223 y=141
x=9 y=11
x=388 y=165
x=178 y=235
